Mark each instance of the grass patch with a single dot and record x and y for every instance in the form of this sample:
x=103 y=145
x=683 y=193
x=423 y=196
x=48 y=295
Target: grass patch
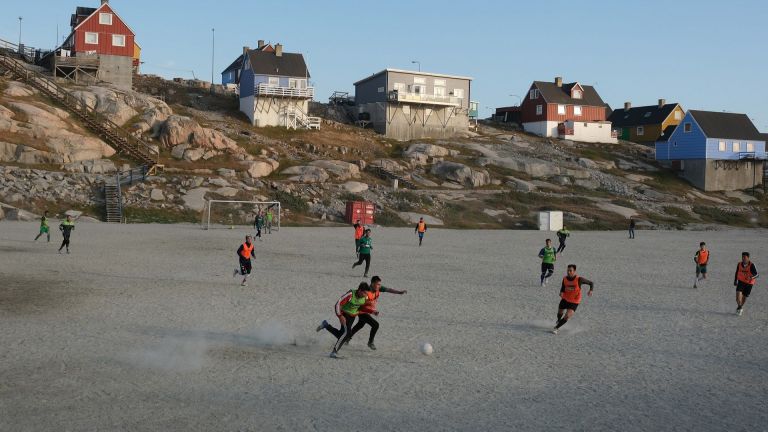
x=624 y=203
x=163 y=216
x=721 y=216
x=292 y=202
x=386 y=217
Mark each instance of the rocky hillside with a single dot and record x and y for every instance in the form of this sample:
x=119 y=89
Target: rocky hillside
x=492 y=178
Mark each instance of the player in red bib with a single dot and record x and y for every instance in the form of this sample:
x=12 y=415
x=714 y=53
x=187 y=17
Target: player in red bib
x=570 y=296
x=370 y=309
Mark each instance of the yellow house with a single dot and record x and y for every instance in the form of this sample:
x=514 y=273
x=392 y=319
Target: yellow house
x=645 y=124
x=136 y=57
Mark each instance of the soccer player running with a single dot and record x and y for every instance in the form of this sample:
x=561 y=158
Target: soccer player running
x=44 y=228
x=744 y=280
x=369 y=308
x=570 y=296
x=421 y=229
x=244 y=254
x=701 y=258
x=364 y=251
x=562 y=234
x=258 y=223
x=346 y=309
x=359 y=231
x=548 y=256
x=66 y=227
x=269 y=218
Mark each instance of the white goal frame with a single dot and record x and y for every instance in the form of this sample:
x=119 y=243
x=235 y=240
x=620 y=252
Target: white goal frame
x=207 y=210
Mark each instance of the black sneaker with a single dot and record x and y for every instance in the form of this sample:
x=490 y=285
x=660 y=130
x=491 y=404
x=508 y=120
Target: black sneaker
x=371 y=346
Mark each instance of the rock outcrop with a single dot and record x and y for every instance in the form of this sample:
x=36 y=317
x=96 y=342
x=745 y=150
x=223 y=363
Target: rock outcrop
x=339 y=169
x=306 y=174
x=460 y=173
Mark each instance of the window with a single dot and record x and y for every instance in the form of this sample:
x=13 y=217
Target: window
x=750 y=147
x=381 y=90
x=296 y=83
x=459 y=93
x=418 y=89
x=687 y=127
x=648 y=114
x=440 y=82
x=399 y=87
x=419 y=80
x=91 y=38
x=439 y=91
x=561 y=109
x=105 y=18
x=640 y=130
x=539 y=109
x=118 y=40
x=736 y=146
x=577 y=94
x=577 y=110
x=274 y=81
x=678 y=115
x=534 y=94
x=721 y=146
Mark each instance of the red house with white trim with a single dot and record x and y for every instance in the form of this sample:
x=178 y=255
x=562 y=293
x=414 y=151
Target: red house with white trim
x=101 y=46
x=554 y=108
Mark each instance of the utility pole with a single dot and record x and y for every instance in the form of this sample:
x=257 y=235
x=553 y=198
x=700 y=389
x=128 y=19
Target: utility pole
x=416 y=62
x=213 y=53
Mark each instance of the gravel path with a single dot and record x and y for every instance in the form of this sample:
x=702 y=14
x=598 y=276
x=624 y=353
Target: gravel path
x=143 y=328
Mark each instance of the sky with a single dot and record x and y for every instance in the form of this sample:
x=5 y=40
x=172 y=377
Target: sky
x=706 y=54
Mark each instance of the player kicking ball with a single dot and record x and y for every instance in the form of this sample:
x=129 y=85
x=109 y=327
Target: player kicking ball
x=370 y=308
x=701 y=258
x=570 y=296
x=244 y=254
x=548 y=256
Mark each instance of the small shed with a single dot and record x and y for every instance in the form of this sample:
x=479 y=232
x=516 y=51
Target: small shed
x=550 y=220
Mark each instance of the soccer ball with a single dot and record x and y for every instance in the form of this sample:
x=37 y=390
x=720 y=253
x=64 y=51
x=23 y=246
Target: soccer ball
x=231 y=227
x=426 y=348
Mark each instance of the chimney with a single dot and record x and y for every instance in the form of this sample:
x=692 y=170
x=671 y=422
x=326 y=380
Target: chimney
x=627 y=106
x=662 y=102
x=559 y=81
x=261 y=43
x=246 y=49
x=103 y=2
x=279 y=50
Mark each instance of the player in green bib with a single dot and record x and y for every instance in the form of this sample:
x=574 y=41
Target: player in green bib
x=548 y=256
x=365 y=246
x=44 y=228
x=347 y=308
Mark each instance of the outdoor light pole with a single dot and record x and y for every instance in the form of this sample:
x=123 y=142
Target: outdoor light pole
x=20 y=18
x=416 y=62
x=213 y=53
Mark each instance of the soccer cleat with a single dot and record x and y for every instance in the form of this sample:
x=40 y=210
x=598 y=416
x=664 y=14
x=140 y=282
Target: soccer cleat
x=371 y=346
x=234 y=273
x=333 y=355
x=365 y=275
x=244 y=284
x=695 y=285
x=739 y=311
x=322 y=325
x=59 y=251
x=554 y=331
x=67 y=251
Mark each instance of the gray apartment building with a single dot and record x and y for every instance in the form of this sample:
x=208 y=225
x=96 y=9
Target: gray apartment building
x=407 y=105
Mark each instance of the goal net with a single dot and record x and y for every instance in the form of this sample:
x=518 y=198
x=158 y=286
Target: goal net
x=224 y=213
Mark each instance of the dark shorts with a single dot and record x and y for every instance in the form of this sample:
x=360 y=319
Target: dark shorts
x=245 y=267
x=743 y=288
x=701 y=268
x=567 y=305
x=545 y=267
x=421 y=235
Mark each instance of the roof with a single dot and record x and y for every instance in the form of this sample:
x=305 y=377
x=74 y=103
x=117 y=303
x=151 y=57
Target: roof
x=104 y=5
x=643 y=115
x=237 y=64
x=726 y=125
x=562 y=95
x=666 y=133
x=413 y=73
x=267 y=63
x=765 y=137
x=81 y=11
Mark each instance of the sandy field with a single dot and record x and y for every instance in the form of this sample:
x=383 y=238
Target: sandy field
x=143 y=328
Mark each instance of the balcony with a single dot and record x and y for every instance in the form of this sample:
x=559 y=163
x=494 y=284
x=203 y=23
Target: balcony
x=288 y=92
x=420 y=98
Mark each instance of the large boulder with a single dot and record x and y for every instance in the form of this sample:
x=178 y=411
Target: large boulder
x=340 y=169
x=306 y=174
x=177 y=130
x=156 y=195
x=354 y=187
x=461 y=174
x=120 y=106
x=17 y=89
x=261 y=168
x=430 y=150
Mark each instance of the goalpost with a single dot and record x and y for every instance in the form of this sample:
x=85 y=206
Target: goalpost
x=235 y=212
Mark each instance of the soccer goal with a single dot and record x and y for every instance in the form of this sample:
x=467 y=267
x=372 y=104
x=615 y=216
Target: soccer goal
x=224 y=213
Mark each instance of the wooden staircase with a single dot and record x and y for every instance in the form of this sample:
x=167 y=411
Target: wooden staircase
x=113 y=201
x=389 y=175
x=115 y=136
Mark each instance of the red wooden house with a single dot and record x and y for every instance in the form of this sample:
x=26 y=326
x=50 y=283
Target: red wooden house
x=548 y=105
x=101 y=46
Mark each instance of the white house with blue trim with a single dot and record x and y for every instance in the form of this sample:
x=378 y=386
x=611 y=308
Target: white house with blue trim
x=273 y=87
x=715 y=151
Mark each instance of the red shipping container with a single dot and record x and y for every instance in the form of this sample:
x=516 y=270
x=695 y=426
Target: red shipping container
x=360 y=210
